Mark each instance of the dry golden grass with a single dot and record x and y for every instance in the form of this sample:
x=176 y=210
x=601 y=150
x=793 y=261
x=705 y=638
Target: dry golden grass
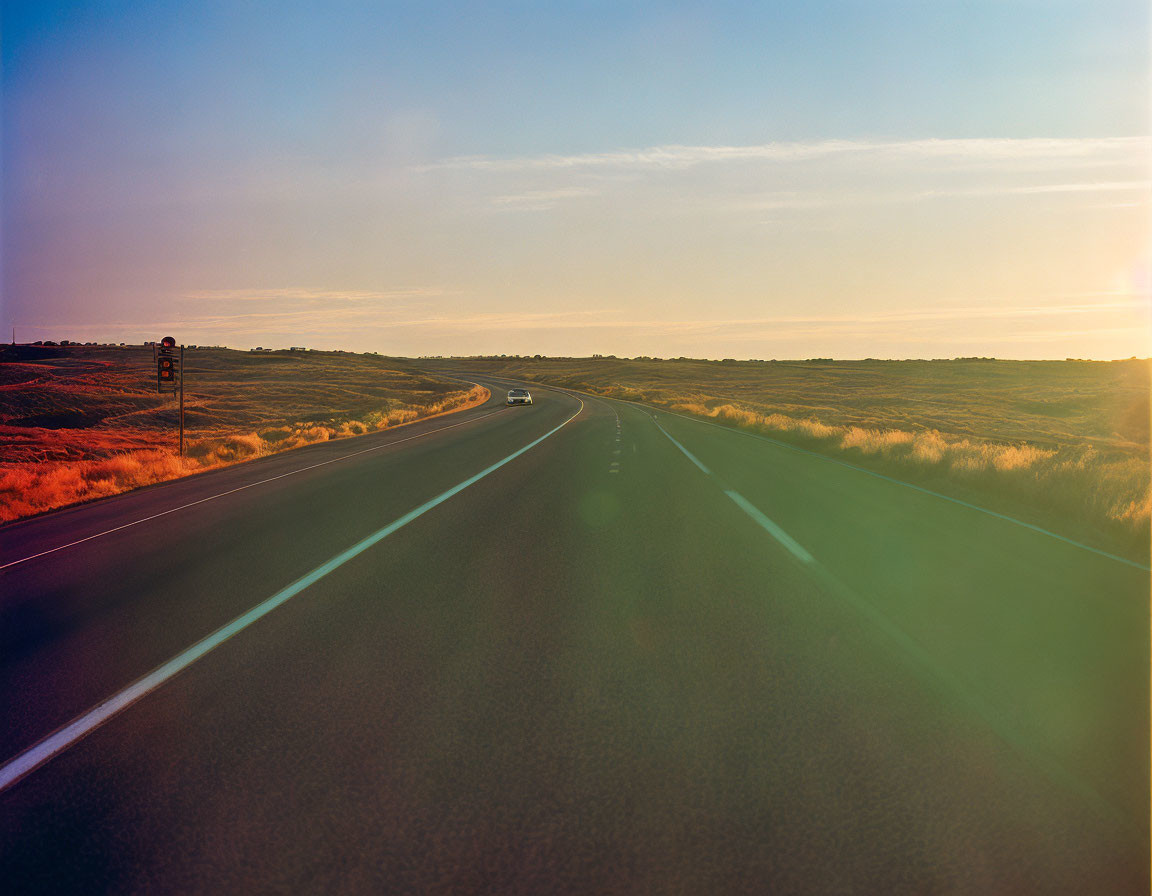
x=83 y=423
x=1116 y=487
x=1064 y=442
x=26 y=489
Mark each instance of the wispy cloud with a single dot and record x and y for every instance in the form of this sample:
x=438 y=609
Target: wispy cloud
x=675 y=156
x=1126 y=186
x=1043 y=329
x=540 y=200
x=815 y=324
x=813 y=180
x=313 y=295
x=326 y=320
x=291 y=320
x=514 y=320
x=793 y=200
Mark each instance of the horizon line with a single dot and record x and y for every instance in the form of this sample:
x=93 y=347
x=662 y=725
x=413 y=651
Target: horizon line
x=66 y=343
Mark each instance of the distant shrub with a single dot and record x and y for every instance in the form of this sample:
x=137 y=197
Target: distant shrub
x=402 y=415
x=351 y=428
x=310 y=434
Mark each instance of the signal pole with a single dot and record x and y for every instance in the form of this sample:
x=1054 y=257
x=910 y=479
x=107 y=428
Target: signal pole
x=170 y=375
x=181 y=400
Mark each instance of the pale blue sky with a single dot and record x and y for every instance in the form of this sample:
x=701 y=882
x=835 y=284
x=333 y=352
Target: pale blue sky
x=616 y=177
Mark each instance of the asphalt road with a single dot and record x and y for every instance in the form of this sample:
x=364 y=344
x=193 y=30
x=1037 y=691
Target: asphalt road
x=579 y=647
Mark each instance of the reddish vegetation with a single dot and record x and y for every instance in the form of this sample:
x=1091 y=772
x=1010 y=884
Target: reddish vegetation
x=81 y=422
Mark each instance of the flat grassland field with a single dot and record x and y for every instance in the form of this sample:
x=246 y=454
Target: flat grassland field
x=84 y=422
x=1063 y=444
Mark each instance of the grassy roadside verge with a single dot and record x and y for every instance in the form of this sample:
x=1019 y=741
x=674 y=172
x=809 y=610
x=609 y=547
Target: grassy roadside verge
x=1063 y=445
x=82 y=423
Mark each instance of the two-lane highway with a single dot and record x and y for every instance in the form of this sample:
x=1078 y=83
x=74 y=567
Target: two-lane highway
x=573 y=647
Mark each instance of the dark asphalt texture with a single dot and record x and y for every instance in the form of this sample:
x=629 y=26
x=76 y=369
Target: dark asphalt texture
x=573 y=677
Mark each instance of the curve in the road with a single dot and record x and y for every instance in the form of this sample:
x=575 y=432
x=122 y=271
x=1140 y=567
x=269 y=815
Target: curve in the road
x=843 y=463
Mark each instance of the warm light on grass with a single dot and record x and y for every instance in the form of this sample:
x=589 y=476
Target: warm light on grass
x=1117 y=488
x=26 y=489
x=94 y=394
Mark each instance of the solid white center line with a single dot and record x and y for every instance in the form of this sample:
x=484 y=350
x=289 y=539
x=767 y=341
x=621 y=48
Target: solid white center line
x=35 y=756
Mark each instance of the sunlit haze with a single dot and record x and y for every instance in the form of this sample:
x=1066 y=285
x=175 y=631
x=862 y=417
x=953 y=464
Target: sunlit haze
x=761 y=180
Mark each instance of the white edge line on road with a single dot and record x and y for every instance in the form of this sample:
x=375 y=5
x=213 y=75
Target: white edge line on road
x=688 y=454
x=772 y=529
x=35 y=756
x=241 y=488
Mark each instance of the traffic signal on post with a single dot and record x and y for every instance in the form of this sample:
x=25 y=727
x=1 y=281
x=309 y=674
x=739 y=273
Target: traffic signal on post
x=169 y=358
x=167 y=365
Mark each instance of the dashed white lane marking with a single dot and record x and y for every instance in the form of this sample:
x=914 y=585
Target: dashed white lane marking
x=993 y=717
x=615 y=465
x=241 y=488
x=919 y=488
x=35 y=756
x=744 y=504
